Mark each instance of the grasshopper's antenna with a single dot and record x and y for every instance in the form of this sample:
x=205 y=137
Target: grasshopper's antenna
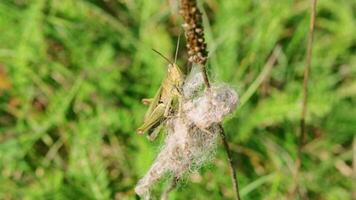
x=164 y=57
x=177 y=48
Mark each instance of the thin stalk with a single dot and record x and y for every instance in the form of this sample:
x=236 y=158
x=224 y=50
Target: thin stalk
x=302 y=133
x=231 y=164
x=205 y=76
x=307 y=71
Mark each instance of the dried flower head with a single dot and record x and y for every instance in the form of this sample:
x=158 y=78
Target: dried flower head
x=194 y=32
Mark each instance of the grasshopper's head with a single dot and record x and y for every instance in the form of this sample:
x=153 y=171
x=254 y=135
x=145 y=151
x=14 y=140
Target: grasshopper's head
x=175 y=74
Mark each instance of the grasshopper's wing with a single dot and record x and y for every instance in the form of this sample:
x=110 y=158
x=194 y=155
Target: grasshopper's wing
x=156 y=116
x=153 y=104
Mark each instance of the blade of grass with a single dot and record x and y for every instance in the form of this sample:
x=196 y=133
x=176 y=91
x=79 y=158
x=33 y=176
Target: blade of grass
x=261 y=77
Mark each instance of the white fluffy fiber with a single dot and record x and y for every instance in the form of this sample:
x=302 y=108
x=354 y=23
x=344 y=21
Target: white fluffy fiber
x=191 y=135
x=212 y=107
x=186 y=148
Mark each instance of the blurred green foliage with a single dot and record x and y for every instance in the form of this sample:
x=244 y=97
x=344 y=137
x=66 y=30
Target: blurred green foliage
x=72 y=73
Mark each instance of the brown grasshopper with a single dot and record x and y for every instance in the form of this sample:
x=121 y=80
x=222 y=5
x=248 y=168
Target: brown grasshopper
x=167 y=97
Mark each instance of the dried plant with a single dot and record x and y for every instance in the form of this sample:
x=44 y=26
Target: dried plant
x=194 y=32
x=192 y=134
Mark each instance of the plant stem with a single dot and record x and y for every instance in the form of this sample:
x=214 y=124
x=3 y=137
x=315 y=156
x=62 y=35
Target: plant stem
x=307 y=71
x=205 y=76
x=302 y=134
x=231 y=165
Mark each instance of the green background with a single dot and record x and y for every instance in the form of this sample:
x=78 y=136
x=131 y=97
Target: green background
x=73 y=72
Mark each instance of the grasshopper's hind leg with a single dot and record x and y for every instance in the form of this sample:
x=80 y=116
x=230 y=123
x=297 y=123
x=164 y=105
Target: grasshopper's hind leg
x=153 y=135
x=180 y=100
x=152 y=119
x=168 y=107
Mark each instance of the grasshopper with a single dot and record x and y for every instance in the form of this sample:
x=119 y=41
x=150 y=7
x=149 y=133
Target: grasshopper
x=165 y=100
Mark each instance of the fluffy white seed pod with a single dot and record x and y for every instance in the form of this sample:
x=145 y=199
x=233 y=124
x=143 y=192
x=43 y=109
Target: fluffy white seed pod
x=212 y=107
x=186 y=148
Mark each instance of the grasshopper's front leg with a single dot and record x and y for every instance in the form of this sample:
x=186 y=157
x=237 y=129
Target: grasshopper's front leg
x=153 y=118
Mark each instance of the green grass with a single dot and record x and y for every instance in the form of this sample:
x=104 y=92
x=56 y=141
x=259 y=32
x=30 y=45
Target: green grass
x=72 y=73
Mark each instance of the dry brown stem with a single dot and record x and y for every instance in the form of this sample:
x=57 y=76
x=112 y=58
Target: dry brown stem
x=231 y=164
x=302 y=135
